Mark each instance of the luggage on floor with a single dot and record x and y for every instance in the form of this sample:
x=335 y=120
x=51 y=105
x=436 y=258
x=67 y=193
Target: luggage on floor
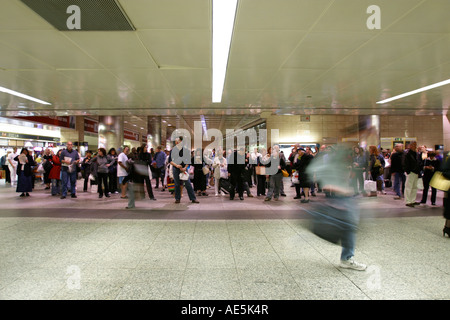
x=370 y=187
x=387 y=183
x=224 y=186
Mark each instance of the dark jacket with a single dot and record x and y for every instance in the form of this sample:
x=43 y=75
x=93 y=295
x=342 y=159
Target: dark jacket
x=397 y=162
x=236 y=163
x=411 y=162
x=428 y=173
x=27 y=170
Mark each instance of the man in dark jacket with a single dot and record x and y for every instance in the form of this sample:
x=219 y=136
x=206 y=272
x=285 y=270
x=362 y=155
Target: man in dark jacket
x=236 y=167
x=397 y=171
x=412 y=170
x=180 y=158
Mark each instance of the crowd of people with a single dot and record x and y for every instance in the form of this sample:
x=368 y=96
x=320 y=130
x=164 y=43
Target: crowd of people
x=340 y=172
x=230 y=173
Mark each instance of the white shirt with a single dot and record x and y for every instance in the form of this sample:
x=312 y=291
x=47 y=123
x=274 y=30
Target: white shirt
x=11 y=157
x=121 y=172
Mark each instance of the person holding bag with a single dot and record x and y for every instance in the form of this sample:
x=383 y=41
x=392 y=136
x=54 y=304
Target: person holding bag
x=199 y=165
x=179 y=158
x=430 y=166
x=55 y=174
x=261 y=173
x=301 y=163
x=24 y=172
x=220 y=171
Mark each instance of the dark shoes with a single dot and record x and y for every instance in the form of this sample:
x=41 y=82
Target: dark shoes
x=195 y=201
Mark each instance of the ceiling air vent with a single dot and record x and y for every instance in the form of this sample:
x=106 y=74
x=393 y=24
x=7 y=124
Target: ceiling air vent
x=82 y=15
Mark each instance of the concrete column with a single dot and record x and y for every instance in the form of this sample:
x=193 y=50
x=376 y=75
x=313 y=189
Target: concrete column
x=167 y=143
x=110 y=132
x=446 y=133
x=369 y=131
x=154 y=131
x=79 y=126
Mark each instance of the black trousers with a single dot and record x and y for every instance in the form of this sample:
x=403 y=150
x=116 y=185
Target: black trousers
x=102 y=179
x=7 y=173
x=236 y=182
x=426 y=186
x=148 y=184
x=112 y=181
x=159 y=174
x=261 y=185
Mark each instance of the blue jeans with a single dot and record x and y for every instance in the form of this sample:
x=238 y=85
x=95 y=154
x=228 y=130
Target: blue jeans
x=348 y=241
x=399 y=177
x=56 y=187
x=67 y=176
x=187 y=184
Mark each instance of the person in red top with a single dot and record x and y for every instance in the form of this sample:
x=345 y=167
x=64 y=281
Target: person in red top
x=55 y=174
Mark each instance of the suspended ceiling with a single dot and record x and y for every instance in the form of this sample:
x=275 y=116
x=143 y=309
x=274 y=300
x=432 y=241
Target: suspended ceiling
x=287 y=57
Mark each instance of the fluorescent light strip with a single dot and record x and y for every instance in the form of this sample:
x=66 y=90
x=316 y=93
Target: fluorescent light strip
x=21 y=95
x=432 y=86
x=224 y=12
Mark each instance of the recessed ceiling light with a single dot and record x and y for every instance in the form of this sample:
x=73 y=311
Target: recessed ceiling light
x=432 y=86
x=21 y=95
x=224 y=13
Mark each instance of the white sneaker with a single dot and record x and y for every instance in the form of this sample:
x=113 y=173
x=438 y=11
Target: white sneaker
x=217 y=194
x=352 y=264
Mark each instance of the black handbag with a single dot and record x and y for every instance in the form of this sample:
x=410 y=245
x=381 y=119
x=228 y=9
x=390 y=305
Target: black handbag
x=47 y=165
x=329 y=223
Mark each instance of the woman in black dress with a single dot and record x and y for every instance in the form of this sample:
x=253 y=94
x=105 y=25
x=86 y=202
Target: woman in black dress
x=198 y=163
x=301 y=163
x=24 y=172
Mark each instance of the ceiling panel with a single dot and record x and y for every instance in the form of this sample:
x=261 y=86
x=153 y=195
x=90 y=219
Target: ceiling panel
x=324 y=50
x=11 y=58
x=386 y=48
x=178 y=48
x=50 y=47
x=17 y=16
x=262 y=48
x=300 y=56
x=279 y=15
x=113 y=50
x=418 y=21
x=345 y=16
x=168 y=14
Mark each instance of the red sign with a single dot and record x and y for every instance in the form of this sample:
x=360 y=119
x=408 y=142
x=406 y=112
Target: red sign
x=130 y=135
x=90 y=125
x=144 y=139
x=66 y=122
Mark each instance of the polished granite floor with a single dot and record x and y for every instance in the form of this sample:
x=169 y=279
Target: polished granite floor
x=91 y=248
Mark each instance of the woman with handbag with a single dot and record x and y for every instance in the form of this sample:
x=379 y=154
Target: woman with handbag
x=55 y=174
x=430 y=166
x=376 y=168
x=261 y=173
x=301 y=162
x=24 y=172
x=275 y=178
